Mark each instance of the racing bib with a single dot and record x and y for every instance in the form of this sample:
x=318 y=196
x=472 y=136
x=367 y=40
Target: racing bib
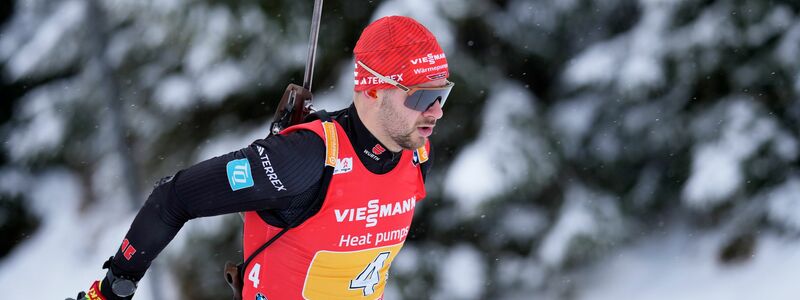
x=349 y=275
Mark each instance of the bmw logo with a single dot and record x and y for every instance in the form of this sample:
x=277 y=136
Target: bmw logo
x=260 y=296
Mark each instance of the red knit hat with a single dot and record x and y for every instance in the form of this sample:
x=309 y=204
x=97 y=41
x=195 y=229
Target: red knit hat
x=399 y=48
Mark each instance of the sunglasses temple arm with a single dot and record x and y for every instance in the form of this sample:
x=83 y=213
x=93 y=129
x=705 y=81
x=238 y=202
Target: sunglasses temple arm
x=384 y=78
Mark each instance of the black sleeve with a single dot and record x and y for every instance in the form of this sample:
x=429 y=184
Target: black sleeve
x=265 y=175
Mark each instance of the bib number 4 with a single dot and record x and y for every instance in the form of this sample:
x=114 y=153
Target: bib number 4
x=253 y=275
x=371 y=276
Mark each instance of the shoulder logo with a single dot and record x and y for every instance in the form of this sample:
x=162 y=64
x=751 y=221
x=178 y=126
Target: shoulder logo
x=343 y=165
x=239 y=175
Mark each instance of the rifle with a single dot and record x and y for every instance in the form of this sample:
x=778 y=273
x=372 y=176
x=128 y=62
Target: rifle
x=295 y=104
x=293 y=108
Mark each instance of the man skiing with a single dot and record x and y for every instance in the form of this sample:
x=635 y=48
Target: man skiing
x=345 y=185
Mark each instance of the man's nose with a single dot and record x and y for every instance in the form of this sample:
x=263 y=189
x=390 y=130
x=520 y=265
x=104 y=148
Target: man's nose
x=435 y=111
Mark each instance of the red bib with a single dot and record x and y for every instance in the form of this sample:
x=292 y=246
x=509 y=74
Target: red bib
x=345 y=250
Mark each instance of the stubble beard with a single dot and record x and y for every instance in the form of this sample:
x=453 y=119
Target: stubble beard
x=391 y=121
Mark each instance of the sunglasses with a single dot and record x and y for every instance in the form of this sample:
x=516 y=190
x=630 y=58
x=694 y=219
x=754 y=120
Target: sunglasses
x=418 y=98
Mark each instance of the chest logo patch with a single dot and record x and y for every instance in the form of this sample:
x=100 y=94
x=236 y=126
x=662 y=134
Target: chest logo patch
x=343 y=165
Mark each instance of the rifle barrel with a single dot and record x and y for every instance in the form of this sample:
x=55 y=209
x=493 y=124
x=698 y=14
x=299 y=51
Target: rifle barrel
x=312 y=44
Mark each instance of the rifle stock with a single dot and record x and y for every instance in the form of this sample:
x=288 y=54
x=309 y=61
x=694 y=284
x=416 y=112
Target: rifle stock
x=294 y=106
x=233 y=279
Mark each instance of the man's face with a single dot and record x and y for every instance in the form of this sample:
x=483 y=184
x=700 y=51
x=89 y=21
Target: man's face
x=407 y=127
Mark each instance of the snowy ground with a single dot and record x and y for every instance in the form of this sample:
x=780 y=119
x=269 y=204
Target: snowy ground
x=65 y=254
x=683 y=265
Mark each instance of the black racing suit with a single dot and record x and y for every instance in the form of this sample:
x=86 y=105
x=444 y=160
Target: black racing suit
x=203 y=190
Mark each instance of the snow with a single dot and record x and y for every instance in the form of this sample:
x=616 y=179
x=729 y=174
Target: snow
x=605 y=144
x=17 y=30
x=716 y=171
x=508 y=22
x=456 y=9
x=515 y=19
x=230 y=141
x=644 y=192
x=573 y=120
x=683 y=264
x=252 y=20
x=477 y=173
x=407 y=261
x=75 y=240
x=643 y=68
x=54 y=192
x=783 y=204
x=518 y=274
x=107 y=179
x=785 y=145
x=596 y=65
x=468 y=264
x=154 y=34
x=42 y=124
x=51 y=41
x=632 y=60
x=522 y=223
x=797 y=83
x=152 y=6
x=789 y=46
x=13 y=181
x=66 y=240
x=587 y=214
x=775 y=22
x=338 y=96
x=716 y=175
x=473 y=179
x=710 y=29
x=208 y=41
x=167 y=6
x=174 y=93
x=427 y=12
x=119 y=46
x=220 y=81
